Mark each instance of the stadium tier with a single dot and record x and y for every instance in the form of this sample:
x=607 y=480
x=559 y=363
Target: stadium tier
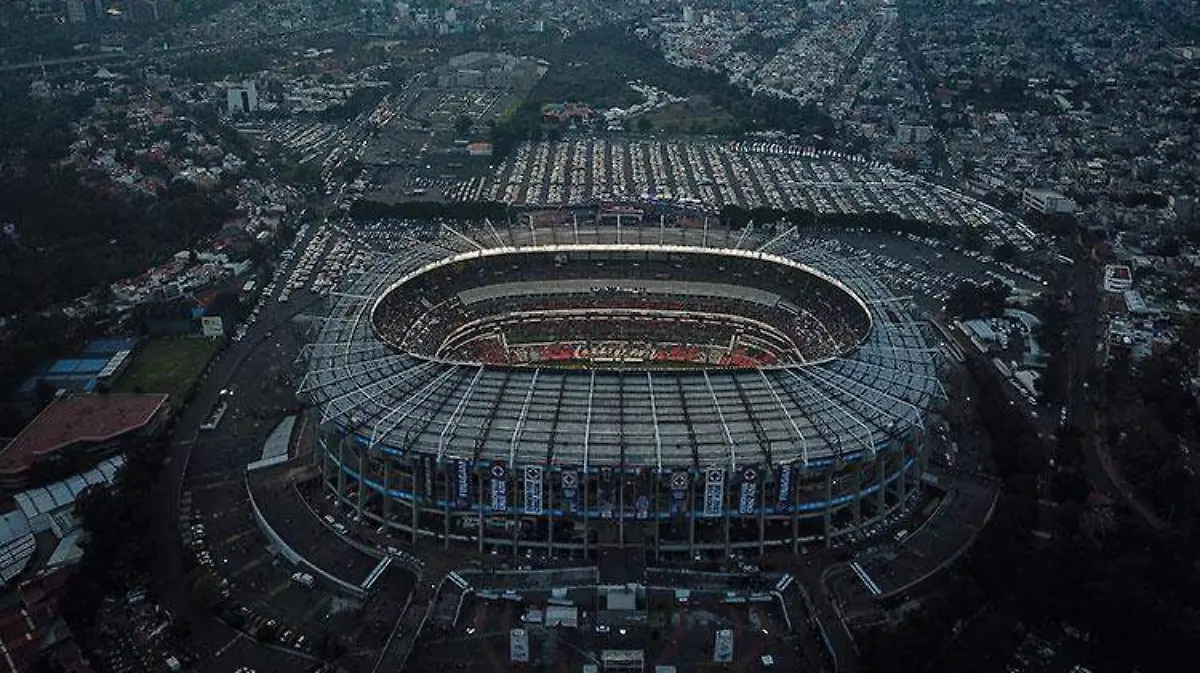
x=685 y=397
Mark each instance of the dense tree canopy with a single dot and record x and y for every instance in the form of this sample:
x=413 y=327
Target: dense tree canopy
x=72 y=236
x=594 y=67
x=121 y=549
x=973 y=300
x=1132 y=588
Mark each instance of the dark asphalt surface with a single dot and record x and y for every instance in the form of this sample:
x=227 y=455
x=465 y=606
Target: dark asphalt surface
x=208 y=634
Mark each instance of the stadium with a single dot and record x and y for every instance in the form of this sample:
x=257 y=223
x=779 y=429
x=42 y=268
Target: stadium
x=604 y=384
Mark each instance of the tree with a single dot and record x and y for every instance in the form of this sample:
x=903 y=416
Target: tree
x=1069 y=486
x=972 y=300
x=207 y=590
x=266 y=633
x=120 y=549
x=44 y=390
x=973 y=239
x=462 y=125
x=644 y=125
x=1005 y=252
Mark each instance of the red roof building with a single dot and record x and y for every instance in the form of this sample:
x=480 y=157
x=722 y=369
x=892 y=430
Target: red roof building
x=31 y=628
x=95 y=424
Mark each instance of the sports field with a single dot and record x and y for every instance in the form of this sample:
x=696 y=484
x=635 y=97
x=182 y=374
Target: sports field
x=170 y=366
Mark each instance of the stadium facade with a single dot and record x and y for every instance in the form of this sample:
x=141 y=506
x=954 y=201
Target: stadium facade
x=558 y=391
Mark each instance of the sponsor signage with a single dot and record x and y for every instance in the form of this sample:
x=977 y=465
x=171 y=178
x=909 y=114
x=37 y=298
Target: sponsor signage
x=533 y=490
x=723 y=647
x=785 y=487
x=212 y=326
x=714 y=491
x=499 y=475
x=518 y=645
x=749 y=490
x=462 y=482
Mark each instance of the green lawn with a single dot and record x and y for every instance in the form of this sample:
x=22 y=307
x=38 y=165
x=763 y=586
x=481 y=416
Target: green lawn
x=169 y=366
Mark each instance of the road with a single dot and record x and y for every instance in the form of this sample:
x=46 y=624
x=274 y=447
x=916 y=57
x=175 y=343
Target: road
x=207 y=633
x=333 y=24
x=1085 y=333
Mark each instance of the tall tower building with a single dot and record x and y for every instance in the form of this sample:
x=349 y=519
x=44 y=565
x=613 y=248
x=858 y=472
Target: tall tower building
x=76 y=12
x=242 y=99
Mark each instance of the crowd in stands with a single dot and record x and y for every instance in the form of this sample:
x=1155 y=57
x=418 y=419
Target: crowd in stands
x=810 y=319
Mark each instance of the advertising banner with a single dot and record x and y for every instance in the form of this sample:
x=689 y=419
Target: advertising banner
x=533 y=490
x=714 y=492
x=499 y=487
x=462 y=483
x=212 y=326
x=749 y=491
x=785 y=487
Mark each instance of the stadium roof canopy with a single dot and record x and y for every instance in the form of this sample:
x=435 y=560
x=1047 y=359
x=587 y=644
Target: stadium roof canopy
x=403 y=404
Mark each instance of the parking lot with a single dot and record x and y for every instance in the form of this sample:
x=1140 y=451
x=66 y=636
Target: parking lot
x=926 y=269
x=749 y=175
x=676 y=632
x=257 y=589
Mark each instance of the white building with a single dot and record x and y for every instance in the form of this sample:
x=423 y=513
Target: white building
x=242 y=99
x=1047 y=201
x=76 y=12
x=1117 y=278
x=914 y=133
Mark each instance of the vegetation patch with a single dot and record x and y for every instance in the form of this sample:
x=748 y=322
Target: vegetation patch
x=696 y=115
x=171 y=366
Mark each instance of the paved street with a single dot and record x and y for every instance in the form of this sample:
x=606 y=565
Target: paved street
x=209 y=634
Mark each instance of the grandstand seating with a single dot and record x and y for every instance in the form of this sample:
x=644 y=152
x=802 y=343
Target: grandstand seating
x=552 y=308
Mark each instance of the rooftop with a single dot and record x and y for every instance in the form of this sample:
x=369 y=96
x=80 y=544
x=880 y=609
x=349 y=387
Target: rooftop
x=79 y=418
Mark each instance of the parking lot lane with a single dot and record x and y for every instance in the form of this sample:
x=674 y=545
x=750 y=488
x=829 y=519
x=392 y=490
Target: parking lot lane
x=279 y=588
x=251 y=565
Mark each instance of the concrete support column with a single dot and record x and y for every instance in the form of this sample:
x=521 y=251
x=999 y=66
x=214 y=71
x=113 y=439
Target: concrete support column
x=386 y=508
x=362 y=480
x=725 y=498
x=621 y=505
x=828 y=508
x=479 y=480
x=762 y=521
x=549 y=504
x=586 y=505
x=412 y=469
x=447 y=471
x=341 y=471
x=793 y=500
x=323 y=449
x=657 y=519
x=881 y=480
x=691 y=515
x=857 y=502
